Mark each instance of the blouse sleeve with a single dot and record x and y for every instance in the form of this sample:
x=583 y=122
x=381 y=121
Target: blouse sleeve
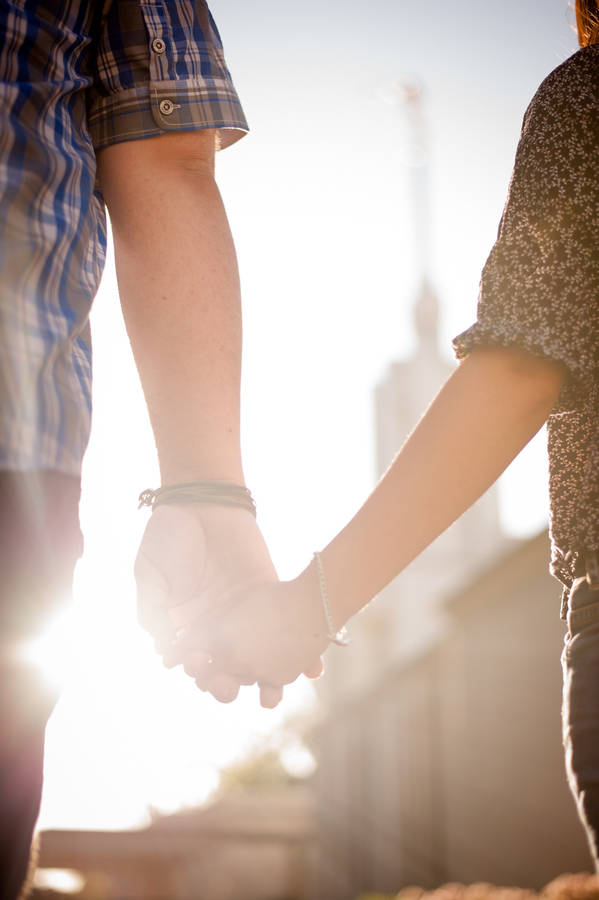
x=539 y=288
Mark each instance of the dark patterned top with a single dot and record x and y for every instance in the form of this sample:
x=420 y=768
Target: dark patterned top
x=540 y=288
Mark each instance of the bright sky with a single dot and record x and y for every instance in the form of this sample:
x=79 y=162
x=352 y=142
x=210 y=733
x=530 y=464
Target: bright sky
x=318 y=202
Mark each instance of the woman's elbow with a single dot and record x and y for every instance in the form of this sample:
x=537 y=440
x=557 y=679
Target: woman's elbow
x=537 y=380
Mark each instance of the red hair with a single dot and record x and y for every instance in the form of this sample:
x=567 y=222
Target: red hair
x=587 y=22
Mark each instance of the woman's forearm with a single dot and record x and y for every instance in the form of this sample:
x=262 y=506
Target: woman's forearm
x=484 y=415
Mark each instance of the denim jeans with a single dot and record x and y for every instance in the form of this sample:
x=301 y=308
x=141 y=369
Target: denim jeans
x=580 y=711
x=40 y=541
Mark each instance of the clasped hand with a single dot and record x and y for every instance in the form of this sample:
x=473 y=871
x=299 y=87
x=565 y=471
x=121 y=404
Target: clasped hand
x=209 y=595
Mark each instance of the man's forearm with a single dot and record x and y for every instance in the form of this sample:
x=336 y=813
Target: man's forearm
x=179 y=289
x=485 y=414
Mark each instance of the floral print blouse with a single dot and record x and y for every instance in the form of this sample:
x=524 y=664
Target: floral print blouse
x=540 y=289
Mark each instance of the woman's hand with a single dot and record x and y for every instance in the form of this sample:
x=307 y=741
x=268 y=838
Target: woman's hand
x=268 y=634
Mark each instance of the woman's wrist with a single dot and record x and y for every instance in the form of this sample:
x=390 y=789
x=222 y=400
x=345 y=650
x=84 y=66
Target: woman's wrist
x=336 y=635
x=325 y=613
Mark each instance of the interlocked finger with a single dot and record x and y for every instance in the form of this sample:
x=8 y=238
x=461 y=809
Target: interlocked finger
x=223 y=688
x=199 y=667
x=315 y=670
x=270 y=695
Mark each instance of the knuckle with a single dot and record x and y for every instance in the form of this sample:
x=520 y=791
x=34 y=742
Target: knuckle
x=226 y=696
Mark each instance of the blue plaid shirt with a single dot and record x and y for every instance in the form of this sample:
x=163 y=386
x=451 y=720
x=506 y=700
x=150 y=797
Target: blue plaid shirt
x=76 y=75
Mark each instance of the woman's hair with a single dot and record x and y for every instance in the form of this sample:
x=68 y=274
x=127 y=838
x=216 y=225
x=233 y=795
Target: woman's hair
x=587 y=22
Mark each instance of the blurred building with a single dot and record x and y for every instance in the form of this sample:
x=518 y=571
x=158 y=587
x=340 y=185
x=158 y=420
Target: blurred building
x=448 y=766
x=252 y=845
x=439 y=748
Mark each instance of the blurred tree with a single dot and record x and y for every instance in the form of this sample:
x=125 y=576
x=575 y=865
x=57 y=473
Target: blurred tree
x=263 y=769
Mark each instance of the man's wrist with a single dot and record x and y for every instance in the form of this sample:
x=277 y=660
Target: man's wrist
x=210 y=493
x=179 y=472
x=201 y=457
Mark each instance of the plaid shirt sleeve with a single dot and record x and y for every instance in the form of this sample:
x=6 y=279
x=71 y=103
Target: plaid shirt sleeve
x=161 y=67
x=76 y=75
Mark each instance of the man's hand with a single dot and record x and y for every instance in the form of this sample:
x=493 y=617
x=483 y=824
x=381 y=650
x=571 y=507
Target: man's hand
x=192 y=561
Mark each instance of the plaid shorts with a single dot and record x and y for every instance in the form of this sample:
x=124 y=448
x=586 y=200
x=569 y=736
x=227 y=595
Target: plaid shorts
x=77 y=75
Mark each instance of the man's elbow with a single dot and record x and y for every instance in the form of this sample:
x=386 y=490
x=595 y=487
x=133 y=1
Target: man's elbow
x=130 y=170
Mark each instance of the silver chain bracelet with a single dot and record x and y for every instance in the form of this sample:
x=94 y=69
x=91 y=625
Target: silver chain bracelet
x=341 y=637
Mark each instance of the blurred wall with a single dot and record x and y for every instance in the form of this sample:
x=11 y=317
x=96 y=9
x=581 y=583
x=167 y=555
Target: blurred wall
x=450 y=767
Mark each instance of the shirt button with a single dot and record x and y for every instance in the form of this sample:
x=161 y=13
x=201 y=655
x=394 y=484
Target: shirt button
x=158 y=45
x=166 y=107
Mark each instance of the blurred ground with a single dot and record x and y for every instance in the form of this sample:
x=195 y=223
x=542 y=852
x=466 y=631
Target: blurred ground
x=581 y=886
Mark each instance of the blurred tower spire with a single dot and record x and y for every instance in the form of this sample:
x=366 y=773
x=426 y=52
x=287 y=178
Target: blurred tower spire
x=426 y=311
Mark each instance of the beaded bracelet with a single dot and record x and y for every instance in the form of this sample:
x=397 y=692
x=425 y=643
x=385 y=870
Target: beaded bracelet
x=220 y=493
